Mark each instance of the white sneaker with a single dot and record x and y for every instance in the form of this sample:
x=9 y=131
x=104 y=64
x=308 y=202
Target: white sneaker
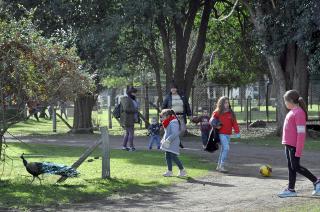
x=221 y=169
x=182 y=173
x=316 y=191
x=168 y=174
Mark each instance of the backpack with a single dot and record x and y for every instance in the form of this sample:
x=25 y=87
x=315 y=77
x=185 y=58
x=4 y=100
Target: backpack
x=117 y=111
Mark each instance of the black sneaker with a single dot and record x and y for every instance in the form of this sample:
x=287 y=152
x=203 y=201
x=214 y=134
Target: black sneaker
x=125 y=148
x=132 y=149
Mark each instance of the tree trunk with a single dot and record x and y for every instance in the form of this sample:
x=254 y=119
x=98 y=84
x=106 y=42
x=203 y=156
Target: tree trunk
x=279 y=81
x=153 y=57
x=301 y=75
x=82 y=122
x=288 y=71
x=168 y=66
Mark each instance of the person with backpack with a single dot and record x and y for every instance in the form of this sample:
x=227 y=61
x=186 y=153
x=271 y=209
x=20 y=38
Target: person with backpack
x=129 y=115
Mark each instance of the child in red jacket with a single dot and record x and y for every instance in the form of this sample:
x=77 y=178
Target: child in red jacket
x=224 y=119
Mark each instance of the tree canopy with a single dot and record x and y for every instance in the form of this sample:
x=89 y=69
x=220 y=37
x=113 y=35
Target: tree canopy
x=37 y=68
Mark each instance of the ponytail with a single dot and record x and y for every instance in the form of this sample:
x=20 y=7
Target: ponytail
x=175 y=115
x=170 y=112
x=302 y=104
x=294 y=97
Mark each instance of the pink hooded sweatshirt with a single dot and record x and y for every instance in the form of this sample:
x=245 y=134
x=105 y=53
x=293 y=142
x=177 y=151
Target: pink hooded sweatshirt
x=294 y=130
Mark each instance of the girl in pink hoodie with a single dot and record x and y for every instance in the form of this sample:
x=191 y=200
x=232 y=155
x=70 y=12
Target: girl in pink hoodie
x=293 y=137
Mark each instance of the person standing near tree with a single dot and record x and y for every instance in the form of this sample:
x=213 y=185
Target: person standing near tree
x=176 y=101
x=129 y=114
x=63 y=109
x=293 y=138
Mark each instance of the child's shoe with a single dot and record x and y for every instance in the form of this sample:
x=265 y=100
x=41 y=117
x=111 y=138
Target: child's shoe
x=125 y=148
x=221 y=168
x=316 y=191
x=168 y=174
x=132 y=149
x=287 y=193
x=182 y=173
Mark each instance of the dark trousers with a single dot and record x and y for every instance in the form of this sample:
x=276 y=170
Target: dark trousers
x=204 y=137
x=294 y=167
x=128 y=136
x=173 y=157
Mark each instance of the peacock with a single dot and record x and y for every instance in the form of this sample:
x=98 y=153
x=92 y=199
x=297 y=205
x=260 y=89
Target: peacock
x=38 y=168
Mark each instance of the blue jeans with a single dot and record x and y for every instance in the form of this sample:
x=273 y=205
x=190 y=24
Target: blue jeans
x=204 y=137
x=224 y=150
x=154 y=139
x=128 y=136
x=173 y=157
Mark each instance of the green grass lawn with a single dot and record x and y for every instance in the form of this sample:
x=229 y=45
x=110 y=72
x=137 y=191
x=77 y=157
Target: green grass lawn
x=130 y=172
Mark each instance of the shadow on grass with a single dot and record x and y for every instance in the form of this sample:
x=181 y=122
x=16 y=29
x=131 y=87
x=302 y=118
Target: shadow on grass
x=24 y=195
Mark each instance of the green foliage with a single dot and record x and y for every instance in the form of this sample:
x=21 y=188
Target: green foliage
x=37 y=68
x=234 y=57
x=294 y=21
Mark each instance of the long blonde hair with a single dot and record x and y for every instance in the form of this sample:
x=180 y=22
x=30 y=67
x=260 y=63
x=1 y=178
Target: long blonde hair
x=220 y=106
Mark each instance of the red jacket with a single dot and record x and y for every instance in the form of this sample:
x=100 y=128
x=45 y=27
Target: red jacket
x=227 y=123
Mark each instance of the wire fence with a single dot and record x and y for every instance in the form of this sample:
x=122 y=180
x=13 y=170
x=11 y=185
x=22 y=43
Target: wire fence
x=251 y=102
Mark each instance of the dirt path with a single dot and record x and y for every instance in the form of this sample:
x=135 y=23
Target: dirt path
x=242 y=189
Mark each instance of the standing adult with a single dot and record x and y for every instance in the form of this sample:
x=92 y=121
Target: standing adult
x=128 y=116
x=176 y=101
x=63 y=109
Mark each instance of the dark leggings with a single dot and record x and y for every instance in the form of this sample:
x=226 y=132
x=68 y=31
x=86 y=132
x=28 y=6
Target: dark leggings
x=128 y=136
x=173 y=157
x=294 y=167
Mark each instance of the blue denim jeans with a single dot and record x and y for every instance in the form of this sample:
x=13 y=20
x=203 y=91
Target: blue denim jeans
x=173 y=157
x=154 y=139
x=225 y=143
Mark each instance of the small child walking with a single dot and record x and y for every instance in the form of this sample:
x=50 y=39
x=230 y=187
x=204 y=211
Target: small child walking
x=170 y=141
x=154 y=133
x=224 y=119
x=293 y=138
x=205 y=126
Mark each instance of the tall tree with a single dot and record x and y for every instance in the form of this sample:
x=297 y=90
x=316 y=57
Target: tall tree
x=174 y=22
x=288 y=31
x=234 y=57
x=87 y=23
x=35 y=68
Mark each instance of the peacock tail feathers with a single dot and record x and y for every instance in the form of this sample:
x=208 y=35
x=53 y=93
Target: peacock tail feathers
x=59 y=169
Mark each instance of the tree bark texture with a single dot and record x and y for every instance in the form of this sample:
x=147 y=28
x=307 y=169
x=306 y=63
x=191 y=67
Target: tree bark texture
x=288 y=70
x=184 y=74
x=82 y=122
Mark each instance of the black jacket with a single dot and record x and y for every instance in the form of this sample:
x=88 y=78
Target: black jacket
x=167 y=104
